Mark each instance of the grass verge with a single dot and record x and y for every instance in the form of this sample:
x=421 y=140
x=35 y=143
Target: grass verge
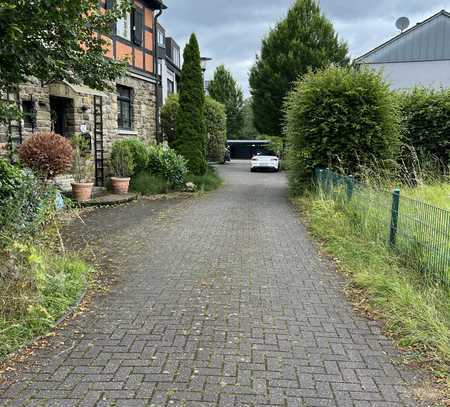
x=416 y=315
x=207 y=182
x=436 y=194
x=38 y=287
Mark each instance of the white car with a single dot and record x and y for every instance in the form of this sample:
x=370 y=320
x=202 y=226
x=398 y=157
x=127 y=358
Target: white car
x=265 y=162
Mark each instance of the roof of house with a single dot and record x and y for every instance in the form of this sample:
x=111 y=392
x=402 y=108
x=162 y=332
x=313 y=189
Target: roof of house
x=426 y=41
x=157 y=4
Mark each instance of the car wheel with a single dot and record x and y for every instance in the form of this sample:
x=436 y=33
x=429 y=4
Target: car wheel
x=252 y=170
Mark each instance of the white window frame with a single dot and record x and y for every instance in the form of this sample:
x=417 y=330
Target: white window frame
x=161 y=39
x=123 y=27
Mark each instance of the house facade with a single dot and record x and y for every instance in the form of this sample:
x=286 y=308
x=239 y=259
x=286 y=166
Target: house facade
x=130 y=110
x=420 y=56
x=169 y=63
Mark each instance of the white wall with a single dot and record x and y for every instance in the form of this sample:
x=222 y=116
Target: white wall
x=404 y=75
x=167 y=74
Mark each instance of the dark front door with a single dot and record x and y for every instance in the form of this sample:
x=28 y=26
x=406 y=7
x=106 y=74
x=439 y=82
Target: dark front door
x=60 y=113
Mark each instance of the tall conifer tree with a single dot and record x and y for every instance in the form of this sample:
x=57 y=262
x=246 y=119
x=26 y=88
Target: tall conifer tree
x=190 y=127
x=225 y=90
x=305 y=40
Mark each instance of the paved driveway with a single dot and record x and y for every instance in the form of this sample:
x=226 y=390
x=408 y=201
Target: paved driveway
x=221 y=301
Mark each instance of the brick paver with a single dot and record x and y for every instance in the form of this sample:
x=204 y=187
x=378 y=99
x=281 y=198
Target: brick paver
x=222 y=302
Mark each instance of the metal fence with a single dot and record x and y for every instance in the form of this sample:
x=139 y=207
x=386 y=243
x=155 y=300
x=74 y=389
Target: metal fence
x=417 y=232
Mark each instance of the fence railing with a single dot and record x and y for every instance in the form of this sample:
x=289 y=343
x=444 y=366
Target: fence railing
x=416 y=231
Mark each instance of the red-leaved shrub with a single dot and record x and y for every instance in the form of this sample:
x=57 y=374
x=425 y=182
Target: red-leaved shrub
x=47 y=154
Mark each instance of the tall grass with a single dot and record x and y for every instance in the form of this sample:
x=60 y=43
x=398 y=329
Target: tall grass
x=207 y=182
x=37 y=286
x=147 y=183
x=417 y=314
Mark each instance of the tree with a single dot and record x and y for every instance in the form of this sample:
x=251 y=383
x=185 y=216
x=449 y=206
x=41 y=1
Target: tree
x=55 y=41
x=305 y=40
x=215 y=122
x=190 y=127
x=169 y=114
x=225 y=90
x=249 y=131
x=216 y=126
x=341 y=118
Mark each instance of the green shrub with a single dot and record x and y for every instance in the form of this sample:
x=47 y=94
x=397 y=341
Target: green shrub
x=147 y=183
x=122 y=162
x=166 y=162
x=169 y=114
x=48 y=154
x=426 y=122
x=215 y=120
x=139 y=151
x=340 y=118
x=216 y=127
x=25 y=203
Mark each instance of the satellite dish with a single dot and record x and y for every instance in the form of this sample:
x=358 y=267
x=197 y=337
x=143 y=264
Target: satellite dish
x=402 y=23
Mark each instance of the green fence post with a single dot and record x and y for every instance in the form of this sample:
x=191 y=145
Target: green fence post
x=321 y=181
x=394 y=217
x=349 y=187
x=327 y=183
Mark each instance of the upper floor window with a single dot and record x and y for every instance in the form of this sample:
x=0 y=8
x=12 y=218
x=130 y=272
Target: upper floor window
x=123 y=27
x=176 y=56
x=170 y=87
x=124 y=107
x=161 y=39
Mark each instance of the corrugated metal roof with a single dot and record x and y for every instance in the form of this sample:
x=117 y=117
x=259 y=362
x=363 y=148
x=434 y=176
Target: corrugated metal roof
x=427 y=41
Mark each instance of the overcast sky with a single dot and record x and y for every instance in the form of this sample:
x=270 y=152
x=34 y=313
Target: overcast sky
x=230 y=31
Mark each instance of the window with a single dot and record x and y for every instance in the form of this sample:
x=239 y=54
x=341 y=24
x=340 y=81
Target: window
x=29 y=113
x=170 y=87
x=161 y=39
x=124 y=108
x=123 y=27
x=176 y=56
x=160 y=67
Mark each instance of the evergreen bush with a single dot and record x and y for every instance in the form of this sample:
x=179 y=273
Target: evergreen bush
x=340 y=118
x=24 y=203
x=169 y=114
x=139 y=151
x=122 y=162
x=190 y=128
x=426 y=123
x=216 y=127
x=166 y=162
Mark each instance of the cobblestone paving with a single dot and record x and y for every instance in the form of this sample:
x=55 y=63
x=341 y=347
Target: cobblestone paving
x=224 y=303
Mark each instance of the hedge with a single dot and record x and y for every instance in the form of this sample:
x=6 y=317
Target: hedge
x=340 y=118
x=216 y=127
x=426 y=122
x=215 y=120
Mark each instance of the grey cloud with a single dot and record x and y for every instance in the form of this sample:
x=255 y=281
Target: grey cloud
x=230 y=31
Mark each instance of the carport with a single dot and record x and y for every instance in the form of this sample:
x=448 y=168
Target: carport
x=246 y=149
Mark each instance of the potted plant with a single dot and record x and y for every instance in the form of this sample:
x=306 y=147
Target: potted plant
x=82 y=169
x=122 y=166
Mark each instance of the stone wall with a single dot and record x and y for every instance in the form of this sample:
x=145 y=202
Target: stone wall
x=79 y=113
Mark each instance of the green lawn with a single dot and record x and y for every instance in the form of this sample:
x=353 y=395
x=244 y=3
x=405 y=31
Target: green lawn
x=437 y=194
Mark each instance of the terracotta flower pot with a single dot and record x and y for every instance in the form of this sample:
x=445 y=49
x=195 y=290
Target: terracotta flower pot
x=82 y=191
x=120 y=185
